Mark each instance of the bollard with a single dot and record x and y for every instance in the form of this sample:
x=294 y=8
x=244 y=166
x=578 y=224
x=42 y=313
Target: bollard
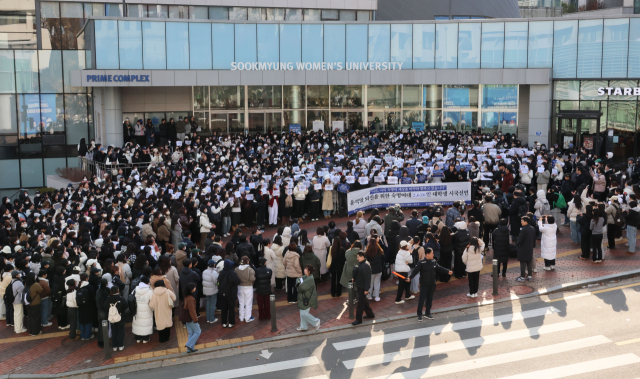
x=105 y=339
x=272 y=301
x=350 y=301
x=495 y=277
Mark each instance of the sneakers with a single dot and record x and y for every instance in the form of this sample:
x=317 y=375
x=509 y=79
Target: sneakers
x=115 y=349
x=22 y=331
x=63 y=327
x=231 y=325
x=377 y=299
x=121 y=348
x=190 y=350
x=581 y=257
x=469 y=295
x=369 y=298
x=224 y=325
x=411 y=297
x=47 y=324
x=145 y=341
x=251 y=319
x=429 y=317
x=553 y=267
x=318 y=326
x=214 y=320
x=400 y=302
x=419 y=318
x=520 y=279
x=138 y=341
x=547 y=268
x=529 y=278
x=300 y=329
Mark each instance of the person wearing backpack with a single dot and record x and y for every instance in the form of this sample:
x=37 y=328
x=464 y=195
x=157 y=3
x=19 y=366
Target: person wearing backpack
x=87 y=309
x=72 y=312
x=519 y=203
x=615 y=220
x=143 y=319
x=18 y=307
x=116 y=307
x=33 y=294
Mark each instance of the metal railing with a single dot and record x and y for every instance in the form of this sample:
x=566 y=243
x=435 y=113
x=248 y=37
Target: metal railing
x=101 y=168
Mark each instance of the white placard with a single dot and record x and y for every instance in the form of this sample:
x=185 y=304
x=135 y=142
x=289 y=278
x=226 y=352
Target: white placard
x=276 y=193
x=318 y=126
x=328 y=187
x=178 y=143
x=351 y=179
x=363 y=180
x=392 y=179
x=289 y=192
x=339 y=125
x=249 y=197
x=541 y=169
x=317 y=187
x=524 y=169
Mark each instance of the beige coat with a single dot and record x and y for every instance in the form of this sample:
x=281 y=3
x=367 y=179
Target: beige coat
x=6 y=280
x=292 y=264
x=327 y=201
x=473 y=258
x=159 y=303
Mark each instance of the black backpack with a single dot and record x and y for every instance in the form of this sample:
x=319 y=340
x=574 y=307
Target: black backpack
x=82 y=296
x=523 y=210
x=386 y=271
x=9 y=297
x=132 y=302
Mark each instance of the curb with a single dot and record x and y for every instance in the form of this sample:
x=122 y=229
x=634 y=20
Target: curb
x=543 y=291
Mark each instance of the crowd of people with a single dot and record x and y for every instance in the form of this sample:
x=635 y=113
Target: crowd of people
x=146 y=242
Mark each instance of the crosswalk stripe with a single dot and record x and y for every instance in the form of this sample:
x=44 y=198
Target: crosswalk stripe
x=580 y=368
x=460 y=345
x=499 y=359
x=375 y=340
x=260 y=369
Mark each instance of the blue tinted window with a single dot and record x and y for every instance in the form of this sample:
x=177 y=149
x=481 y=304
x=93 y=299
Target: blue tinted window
x=356 y=43
x=490 y=119
x=177 y=46
x=154 y=45
x=130 y=36
x=312 y=43
x=334 y=43
x=27 y=71
x=439 y=18
x=268 y=43
x=565 y=48
x=402 y=44
x=290 y=43
x=424 y=45
x=223 y=41
x=492 y=45
x=615 y=48
x=379 y=43
x=500 y=96
x=31 y=172
x=540 y=44
x=106 y=44
x=469 y=46
x=245 y=43
x=447 y=46
x=634 y=48
x=590 y=49
x=515 y=44
x=200 y=46
x=455 y=97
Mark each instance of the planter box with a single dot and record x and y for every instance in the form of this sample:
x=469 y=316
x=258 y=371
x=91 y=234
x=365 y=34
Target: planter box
x=57 y=182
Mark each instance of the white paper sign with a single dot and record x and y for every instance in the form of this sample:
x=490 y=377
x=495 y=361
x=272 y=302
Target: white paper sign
x=318 y=126
x=351 y=179
x=250 y=197
x=541 y=169
x=392 y=179
x=276 y=193
x=328 y=187
x=337 y=125
x=317 y=187
x=363 y=180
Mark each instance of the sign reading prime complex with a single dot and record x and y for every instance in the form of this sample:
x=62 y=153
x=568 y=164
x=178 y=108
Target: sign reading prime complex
x=619 y=91
x=321 y=66
x=410 y=195
x=117 y=78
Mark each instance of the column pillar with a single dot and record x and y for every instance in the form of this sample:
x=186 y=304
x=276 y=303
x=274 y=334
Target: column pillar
x=112 y=110
x=540 y=113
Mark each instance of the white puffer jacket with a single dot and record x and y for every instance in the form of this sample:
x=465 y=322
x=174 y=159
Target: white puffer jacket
x=278 y=263
x=549 y=242
x=472 y=257
x=403 y=259
x=143 y=320
x=210 y=281
x=205 y=224
x=359 y=227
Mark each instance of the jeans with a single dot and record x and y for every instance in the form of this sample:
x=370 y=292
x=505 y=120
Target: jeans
x=211 y=307
x=426 y=295
x=117 y=333
x=85 y=331
x=307 y=319
x=326 y=213
x=527 y=265
x=575 y=231
x=45 y=310
x=193 y=328
x=226 y=225
x=374 y=290
x=631 y=236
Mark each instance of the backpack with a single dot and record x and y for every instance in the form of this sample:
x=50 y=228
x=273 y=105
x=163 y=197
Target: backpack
x=617 y=217
x=82 y=296
x=133 y=303
x=386 y=271
x=523 y=210
x=9 y=297
x=114 y=315
x=561 y=202
x=26 y=297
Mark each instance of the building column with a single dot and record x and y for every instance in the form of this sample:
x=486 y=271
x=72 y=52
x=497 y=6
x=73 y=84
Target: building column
x=540 y=113
x=112 y=111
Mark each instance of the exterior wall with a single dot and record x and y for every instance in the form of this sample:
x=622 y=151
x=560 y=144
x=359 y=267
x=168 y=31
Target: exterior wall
x=157 y=99
x=112 y=108
x=523 y=113
x=430 y=9
x=540 y=113
x=304 y=4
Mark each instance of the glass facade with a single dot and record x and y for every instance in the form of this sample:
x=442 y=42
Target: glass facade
x=388 y=107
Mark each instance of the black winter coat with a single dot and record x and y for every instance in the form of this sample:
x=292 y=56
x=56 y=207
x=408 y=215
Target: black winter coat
x=121 y=305
x=246 y=249
x=413 y=224
x=362 y=276
x=500 y=243
x=526 y=242
x=428 y=268
x=461 y=241
x=514 y=219
x=228 y=282
x=376 y=264
x=88 y=313
x=263 y=280
x=188 y=276
x=337 y=261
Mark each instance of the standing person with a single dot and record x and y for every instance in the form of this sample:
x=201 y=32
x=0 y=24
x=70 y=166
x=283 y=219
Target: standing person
x=320 y=245
x=548 y=228
x=632 y=219
x=87 y=309
x=429 y=270
x=417 y=253
x=307 y=299
x=327 y=199
x=576 y=206
x=460 y=242
x=6 y=285
x=210 y=290
x=72 y=308
x=273 y=204
x=18 y=309
x=351 y=261
x=584 y=222
x=335 y=263
x=247 y=277
x=500 y=243
x=278 y=263
x=102 y=294
x=613 y=216
x=362 y=282
x=228 y=291
x=446 y=252
x=189 y=317
x=526 y=241
x=142 y=328
x=299 y=195
x=403 y=260
x=375 y=256
x=292 y=270
x=472 y=258
x=117 y=307
x=263 y=289
x=491 y=214
x=162 y=302
x=35 y=293
x=597 y=229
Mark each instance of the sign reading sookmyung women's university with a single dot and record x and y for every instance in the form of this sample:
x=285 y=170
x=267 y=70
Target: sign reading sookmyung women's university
x=321 y=66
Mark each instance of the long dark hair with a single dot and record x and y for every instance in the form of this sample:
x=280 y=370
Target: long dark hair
x=474 y=242
x=445 y=236
x=577 y=201
x=336 y=247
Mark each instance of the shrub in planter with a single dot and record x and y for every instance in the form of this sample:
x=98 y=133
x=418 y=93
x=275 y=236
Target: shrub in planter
x=74 y=174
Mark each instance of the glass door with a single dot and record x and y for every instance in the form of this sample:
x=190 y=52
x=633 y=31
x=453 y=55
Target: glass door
x=274 y=122
x=236 y=123
x=219 y=123
x=256 y=122
x=202 y=119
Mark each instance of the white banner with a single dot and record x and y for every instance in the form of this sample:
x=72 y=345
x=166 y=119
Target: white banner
x=410 y=195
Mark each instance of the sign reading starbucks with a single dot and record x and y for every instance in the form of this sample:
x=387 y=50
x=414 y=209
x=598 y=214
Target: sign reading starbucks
x=619 y=91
